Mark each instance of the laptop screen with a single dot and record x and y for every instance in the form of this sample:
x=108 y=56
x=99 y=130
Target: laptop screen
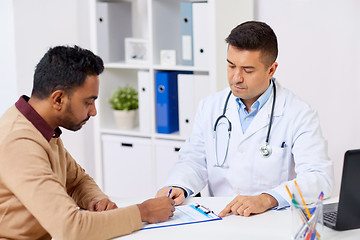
x=348 y=212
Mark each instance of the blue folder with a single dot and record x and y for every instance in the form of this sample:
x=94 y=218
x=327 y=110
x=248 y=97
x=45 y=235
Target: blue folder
x=167 y=107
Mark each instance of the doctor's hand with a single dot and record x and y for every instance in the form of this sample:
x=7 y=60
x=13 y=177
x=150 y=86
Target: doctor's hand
x=157 y=209
x=247 y=205
x=177 y=194
x=102 y=205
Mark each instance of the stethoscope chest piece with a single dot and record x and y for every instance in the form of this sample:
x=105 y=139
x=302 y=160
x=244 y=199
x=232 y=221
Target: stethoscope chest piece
x=265 y=150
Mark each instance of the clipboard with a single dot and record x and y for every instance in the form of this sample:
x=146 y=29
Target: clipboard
x=186 y=214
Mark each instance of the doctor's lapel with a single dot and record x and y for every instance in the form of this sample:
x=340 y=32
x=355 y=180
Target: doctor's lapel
x=262 y=118
x=233 y=115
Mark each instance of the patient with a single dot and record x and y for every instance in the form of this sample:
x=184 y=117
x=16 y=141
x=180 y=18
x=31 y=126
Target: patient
x=42 y=188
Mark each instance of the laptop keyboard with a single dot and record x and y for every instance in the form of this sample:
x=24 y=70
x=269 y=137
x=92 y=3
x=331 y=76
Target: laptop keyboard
x=330 y=217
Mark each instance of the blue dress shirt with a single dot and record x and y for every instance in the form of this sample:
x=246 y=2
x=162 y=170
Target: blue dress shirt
x=246 y=119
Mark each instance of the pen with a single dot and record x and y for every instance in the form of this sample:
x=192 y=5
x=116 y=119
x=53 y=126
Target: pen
x=312 y=211
x=170 y=192
x=296 y=205
x=306 y=224
x=291 y=197
x=319 y=199
x=302 y=199
x=302 y=216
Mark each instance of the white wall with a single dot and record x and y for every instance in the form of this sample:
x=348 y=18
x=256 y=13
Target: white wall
x=30 y=28
x=8 y=87
x=319 y=50
x=318 y=59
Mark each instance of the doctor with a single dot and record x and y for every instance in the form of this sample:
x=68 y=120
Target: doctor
x=251 y=140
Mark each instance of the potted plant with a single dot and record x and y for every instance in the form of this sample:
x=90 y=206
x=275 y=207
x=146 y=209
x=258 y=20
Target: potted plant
x=124 y=102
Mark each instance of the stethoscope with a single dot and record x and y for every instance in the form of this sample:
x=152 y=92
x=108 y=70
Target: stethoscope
x=265 y=150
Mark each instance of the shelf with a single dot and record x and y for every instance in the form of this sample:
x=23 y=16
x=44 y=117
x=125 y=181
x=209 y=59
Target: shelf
x=159 y=22
x=124 y=65
x=132 y=132
x=172 y=136
x=180 y=68
x=135 y=132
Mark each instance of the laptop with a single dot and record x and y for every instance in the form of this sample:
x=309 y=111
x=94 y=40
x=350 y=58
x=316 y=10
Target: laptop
x=345 y=214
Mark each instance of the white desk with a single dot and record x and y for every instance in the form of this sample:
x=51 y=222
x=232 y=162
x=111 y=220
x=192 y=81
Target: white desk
x=271 y=225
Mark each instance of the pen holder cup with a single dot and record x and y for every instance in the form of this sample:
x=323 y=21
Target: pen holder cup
x=305 y=227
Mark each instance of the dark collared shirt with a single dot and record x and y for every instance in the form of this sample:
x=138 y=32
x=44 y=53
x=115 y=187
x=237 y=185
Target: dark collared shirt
x=40 y=124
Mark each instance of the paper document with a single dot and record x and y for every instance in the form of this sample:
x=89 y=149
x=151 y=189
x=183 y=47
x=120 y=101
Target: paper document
x=186 y=214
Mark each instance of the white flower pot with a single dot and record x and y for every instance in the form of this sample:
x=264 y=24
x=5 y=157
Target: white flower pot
x=125 y=119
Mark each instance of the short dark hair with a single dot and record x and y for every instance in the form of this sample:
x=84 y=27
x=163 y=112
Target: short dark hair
x=254 y=35
x=64 y=68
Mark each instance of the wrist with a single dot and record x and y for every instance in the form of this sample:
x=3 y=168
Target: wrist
x=142 y=211
x=269 y=200
x=185 y=192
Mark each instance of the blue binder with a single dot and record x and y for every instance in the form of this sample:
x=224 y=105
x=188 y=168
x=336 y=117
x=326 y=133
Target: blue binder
x=187 y=58
x=167 y=107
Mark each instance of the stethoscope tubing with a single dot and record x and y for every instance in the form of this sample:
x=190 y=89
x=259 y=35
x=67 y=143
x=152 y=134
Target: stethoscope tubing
x=272 y=113
x=265 y=150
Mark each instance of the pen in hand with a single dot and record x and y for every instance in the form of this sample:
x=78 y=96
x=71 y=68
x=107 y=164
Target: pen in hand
x=170 y=192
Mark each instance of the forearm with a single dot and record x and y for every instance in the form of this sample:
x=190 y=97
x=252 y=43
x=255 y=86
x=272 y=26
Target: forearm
x=86 y=191
x=80 y=186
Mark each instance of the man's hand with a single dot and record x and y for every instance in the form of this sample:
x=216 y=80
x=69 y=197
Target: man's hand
x=177 y=194
x=102 y=205
x=157 y=209
x=246 y=205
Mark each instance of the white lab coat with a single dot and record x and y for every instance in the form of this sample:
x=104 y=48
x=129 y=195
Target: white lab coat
x=295 y=125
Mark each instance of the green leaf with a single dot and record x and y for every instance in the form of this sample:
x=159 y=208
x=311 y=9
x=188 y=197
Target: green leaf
x=124 y=98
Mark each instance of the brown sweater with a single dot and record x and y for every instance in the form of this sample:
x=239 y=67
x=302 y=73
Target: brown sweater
x=42 y=188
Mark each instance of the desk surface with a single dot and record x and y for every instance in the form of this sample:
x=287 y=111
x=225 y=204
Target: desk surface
x=270 y=225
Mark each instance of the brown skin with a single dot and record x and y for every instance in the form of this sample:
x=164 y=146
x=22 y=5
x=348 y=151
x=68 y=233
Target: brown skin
x=248 y=77
x=157 y=209
x=72 y=112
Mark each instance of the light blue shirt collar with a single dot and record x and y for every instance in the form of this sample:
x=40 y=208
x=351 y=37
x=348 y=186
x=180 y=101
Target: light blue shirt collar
x=260 y=101
x=245 y=117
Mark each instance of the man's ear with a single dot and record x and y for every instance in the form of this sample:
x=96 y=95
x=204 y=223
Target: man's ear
x=272 y=69
x=58 y=99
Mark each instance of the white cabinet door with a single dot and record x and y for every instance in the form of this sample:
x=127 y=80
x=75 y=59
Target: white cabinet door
x=128 y=170
x=167 y=153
